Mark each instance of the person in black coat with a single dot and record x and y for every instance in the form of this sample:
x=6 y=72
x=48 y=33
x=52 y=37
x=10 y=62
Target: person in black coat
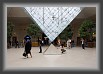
x=28 y=45
x=17 y=44
x=40 y=43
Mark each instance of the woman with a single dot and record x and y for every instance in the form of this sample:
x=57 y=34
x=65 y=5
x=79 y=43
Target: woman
x=28 y=46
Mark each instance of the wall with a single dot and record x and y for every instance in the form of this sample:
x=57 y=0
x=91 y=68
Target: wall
x=21 y=24
x=75 y=26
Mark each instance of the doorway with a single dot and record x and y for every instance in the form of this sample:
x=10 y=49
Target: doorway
x=78 y=41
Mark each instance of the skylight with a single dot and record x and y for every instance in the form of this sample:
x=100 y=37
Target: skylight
x=53 y=20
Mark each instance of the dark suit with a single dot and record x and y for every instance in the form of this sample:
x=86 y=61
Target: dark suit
x=28 y=45
x=40 y=41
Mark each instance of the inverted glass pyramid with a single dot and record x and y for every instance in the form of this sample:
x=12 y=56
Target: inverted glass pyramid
x=53 y=20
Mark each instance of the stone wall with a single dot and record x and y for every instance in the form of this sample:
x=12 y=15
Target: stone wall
x=75 y=26
x=20 y=26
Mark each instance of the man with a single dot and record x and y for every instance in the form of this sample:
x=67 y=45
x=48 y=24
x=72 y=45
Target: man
x=82 y=40
x=40 y=42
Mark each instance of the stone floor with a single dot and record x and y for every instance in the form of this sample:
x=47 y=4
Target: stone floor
x=73 y=59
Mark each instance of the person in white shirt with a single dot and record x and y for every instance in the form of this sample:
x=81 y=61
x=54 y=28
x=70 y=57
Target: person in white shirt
x=82 y=40
x=69 y=43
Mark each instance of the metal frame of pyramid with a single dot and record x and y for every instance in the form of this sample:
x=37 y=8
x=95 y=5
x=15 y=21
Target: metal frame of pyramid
x=53 y=20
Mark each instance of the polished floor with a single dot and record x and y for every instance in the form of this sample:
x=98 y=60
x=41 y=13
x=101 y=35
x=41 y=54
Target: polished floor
x=73 y=59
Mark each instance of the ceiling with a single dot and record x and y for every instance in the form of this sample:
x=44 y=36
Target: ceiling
x=20 y=12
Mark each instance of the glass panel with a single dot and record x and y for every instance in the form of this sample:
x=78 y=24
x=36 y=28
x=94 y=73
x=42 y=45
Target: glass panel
x=53 y=20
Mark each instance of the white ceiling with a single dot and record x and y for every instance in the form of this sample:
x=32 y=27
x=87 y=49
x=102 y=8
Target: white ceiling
x=20 y=12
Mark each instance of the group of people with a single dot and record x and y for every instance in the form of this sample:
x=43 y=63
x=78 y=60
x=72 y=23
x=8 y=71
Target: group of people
x=69 y=44
x=28 y=45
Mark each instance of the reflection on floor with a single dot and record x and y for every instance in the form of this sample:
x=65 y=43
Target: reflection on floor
x=52 y=50
x=74 y=58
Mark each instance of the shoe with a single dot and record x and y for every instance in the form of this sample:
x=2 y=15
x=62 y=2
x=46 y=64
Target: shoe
x=40 y=52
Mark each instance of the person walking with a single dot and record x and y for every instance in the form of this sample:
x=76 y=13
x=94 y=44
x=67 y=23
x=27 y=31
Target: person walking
x=40 y=45
x=28 y=45
x=82 y=41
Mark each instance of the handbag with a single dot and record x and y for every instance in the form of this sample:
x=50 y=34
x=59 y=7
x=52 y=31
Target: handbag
x=24 y=54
